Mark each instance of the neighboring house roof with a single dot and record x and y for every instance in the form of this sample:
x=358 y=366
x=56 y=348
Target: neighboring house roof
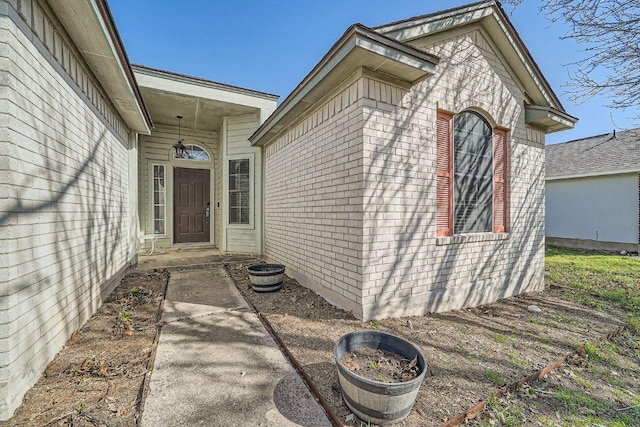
x=607 y=154
x=388 y=49
x=91 y=26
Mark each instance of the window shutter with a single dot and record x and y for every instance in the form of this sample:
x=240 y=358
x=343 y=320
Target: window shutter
x=444 y=214
x=500 y=180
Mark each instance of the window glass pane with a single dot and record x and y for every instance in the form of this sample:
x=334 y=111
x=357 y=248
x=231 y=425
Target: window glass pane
x=473 y=177
x=158 y=199
x=193 y=152
x=239 y=187
x=159 y=227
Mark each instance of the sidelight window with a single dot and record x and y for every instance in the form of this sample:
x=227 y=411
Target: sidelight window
x=239 y=188
x=159 y=197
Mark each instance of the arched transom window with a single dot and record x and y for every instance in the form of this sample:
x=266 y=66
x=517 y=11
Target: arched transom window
x=193 y=152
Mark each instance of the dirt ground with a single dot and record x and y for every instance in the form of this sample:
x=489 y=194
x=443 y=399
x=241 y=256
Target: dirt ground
x=471 y=353
x=97 y=378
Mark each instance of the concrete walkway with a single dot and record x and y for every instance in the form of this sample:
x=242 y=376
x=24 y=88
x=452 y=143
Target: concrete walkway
x=216 y=365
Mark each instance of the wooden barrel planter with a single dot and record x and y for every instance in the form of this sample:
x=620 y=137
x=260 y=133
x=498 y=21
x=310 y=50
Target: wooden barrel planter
x=266 y=277
x=378 y=402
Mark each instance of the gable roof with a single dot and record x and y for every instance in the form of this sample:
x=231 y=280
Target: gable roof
x=545 y=109
x=607 y=154
x=359 y=46
x=387 y=49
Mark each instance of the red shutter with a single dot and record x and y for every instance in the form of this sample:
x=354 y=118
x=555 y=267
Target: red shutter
x=444 y=196
x=500 y=169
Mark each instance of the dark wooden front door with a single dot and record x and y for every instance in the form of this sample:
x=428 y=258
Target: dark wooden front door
x=190 y=203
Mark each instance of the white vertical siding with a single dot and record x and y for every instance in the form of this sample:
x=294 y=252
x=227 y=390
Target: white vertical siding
x=157 y=148
x=603 y=208
x=237 y=130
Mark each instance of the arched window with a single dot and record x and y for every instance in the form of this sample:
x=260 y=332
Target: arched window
x=193 y=152
x=471 y=175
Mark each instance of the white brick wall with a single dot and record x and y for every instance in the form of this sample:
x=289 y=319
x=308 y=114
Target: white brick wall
x=313 y=199
x=350 y=192
x=63 y=197
x=409 y=270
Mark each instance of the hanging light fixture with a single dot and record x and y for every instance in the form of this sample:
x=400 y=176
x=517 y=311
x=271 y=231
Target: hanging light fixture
x=180 y=148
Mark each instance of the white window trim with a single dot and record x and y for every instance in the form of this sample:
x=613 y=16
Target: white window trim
x=252 y=191
x=151 y=199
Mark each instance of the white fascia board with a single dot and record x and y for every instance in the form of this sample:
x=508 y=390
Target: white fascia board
x=197 y=90
x=594 y=174
x=525 y=61
x=408 y=31
x=304 y=91
x=121 y=67
x=412 y=30
x=89 y=30
x=394 y=55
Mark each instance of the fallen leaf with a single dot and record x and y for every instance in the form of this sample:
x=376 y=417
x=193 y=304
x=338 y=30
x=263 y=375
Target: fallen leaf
x=351 y=365
x=413 y=362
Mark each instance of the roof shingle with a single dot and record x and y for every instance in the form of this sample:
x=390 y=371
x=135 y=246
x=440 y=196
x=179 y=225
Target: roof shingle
x=597 y=155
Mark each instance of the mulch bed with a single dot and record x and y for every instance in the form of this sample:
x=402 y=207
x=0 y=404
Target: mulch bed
x=471 y=353
x=97 y=378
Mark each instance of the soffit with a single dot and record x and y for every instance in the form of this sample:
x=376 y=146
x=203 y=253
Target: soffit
x=203 y=104
x=89 y=24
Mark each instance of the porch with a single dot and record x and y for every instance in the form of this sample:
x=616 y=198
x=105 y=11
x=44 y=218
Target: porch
x=210 y=193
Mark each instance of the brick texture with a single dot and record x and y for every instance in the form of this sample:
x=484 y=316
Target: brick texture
x=350 y=192
x=64 y=208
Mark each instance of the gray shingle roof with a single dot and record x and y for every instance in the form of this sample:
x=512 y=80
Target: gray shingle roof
x=596 y=155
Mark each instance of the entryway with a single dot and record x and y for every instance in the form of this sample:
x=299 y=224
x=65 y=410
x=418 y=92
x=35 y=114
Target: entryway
x=191 y=205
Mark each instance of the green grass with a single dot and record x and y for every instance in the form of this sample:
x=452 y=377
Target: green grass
x=596 y=279
x=493 y=377
x=499 y=338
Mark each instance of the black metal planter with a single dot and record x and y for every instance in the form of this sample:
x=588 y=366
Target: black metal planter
x=266 y=277
x=378 y=402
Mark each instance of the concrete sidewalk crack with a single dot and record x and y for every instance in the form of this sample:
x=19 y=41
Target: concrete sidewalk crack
x=239 y=308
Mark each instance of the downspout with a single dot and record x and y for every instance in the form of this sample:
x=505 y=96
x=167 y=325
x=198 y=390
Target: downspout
x=134 y=223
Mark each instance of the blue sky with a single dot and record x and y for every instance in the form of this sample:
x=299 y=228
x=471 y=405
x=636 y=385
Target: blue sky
x=271 y=45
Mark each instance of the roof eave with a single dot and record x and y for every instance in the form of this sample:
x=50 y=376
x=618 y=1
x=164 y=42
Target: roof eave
x=548 y=119
x=170 y=75
x=593 y=174
x=93 y=30
x=359 y=47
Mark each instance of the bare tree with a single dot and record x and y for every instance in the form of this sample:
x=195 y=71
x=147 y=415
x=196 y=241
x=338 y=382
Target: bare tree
x=609 y=30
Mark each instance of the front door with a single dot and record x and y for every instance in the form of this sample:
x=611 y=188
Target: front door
x=190 y=205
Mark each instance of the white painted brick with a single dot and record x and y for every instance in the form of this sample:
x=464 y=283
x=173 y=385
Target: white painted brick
x=66 y=212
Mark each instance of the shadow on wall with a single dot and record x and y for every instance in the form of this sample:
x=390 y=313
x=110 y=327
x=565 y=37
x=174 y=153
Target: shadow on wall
x=67 y=220
x=408 y=184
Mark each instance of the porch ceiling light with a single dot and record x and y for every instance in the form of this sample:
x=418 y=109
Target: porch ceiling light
x=180 y=148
